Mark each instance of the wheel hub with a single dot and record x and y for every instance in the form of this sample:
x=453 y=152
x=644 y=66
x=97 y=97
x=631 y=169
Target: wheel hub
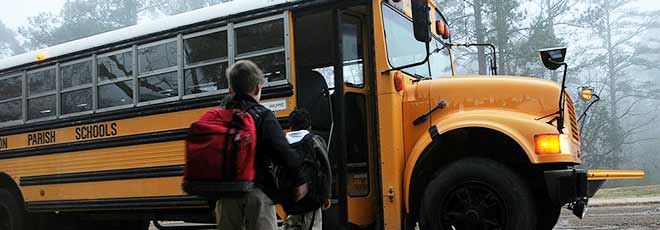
x=473 y=215
x=473 y=205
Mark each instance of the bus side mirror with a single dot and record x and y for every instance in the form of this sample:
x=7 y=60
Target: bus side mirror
x=421 y=21
x=553 y=58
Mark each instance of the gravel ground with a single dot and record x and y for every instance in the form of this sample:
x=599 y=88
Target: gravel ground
x=631 y=217
x=619 y=214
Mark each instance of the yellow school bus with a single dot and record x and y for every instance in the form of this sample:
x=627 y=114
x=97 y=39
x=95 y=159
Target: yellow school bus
x=91 y=131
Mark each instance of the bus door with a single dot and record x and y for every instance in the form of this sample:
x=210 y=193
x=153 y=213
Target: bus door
x=333 y=83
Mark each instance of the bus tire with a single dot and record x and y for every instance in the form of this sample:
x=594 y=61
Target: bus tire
x=475 y=193
x=547 y=214
x=11 y=212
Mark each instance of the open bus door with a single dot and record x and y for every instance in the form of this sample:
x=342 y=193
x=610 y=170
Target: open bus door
x=333 y=84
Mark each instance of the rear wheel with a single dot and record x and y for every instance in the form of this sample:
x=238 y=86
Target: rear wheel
x=11 y=212
x=477 y=193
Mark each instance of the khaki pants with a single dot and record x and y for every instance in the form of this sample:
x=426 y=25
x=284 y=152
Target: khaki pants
x=303 y=221
x=253 y=211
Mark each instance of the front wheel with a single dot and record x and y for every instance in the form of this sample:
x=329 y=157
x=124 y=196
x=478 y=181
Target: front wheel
x=476 y=193
x=11 y=212
x=548 y=215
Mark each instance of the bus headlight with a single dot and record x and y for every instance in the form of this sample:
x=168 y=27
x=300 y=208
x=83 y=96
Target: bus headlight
x=546 y=144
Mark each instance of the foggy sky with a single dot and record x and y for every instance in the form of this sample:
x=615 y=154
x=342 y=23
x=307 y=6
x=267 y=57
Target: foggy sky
x=15 y=13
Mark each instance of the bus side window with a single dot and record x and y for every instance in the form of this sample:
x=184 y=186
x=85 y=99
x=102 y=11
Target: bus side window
x=115 y=74
x=206 y=59
x=263 y=43
x=76 y=86
x=158 y=73
x=41 y=94
x=10 y=99
x=352 y=52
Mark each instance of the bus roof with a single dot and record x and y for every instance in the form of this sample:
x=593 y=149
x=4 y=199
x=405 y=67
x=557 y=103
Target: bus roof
x=115 y=36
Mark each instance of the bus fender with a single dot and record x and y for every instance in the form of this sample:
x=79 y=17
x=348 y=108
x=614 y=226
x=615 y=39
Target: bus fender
x=508 y=123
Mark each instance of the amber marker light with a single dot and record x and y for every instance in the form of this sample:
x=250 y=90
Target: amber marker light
x=398 y=81
x=41 y=56
x=545 y=144
x=586 y=93
x=442 y=29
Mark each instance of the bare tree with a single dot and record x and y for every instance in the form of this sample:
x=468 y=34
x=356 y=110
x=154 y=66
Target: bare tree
x=617 y=51
x=8 y=43
x=466 y=18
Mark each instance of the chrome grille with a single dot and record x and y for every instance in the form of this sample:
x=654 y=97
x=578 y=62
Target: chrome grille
x=572 y=119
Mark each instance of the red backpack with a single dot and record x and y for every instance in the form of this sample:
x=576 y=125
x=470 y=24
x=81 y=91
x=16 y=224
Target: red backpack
x=220 y=154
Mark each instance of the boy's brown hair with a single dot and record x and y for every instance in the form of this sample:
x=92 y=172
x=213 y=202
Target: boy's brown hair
x=244 y=76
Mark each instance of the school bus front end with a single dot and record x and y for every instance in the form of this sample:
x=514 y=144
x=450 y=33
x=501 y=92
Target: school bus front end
x=475 y=152
x=497 y=118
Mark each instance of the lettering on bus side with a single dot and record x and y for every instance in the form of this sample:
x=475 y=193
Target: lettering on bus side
x=96 y=131
x=41 y=138
x=3 y=143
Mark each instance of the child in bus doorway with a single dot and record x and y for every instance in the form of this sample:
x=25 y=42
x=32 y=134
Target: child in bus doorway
x=314 y=150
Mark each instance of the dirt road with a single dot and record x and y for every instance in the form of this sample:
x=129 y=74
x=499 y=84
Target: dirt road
x=624 y=217
x=637 y=217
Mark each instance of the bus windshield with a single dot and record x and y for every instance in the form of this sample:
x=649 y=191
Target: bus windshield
x=403 y=49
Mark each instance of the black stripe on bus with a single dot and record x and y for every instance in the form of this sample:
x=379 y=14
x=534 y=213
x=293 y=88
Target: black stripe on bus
x=137 y=139
x=118 y=204
x=122 y=174
x=168 y=107
x=147 y=138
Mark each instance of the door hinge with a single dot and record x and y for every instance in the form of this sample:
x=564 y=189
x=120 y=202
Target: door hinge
x=390 y=194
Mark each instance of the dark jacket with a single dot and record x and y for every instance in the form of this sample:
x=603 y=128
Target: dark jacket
x=315 y=149
x=272 y=146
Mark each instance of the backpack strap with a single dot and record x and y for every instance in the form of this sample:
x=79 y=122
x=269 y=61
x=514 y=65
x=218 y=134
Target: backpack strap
x=233 y=149
x=321 y=150
x=311 y=224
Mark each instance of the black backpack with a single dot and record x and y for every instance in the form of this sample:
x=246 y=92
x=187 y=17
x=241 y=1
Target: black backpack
x=317 y=174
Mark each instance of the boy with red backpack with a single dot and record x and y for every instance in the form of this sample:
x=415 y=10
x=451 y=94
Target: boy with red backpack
x=231 y=152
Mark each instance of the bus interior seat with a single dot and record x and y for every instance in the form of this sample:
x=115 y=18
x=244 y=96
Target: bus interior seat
x=312 y=96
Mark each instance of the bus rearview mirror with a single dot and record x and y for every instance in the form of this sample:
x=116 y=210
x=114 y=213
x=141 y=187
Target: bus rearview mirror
x=421 y=21
x=553 y=58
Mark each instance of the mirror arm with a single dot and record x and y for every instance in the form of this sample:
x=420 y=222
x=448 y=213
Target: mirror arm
x=493 y=66
x=562 y=101
x=588 y=107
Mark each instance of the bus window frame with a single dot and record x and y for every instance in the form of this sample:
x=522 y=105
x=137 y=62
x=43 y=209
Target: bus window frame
x=172 y=69
x=21 y=98
x=434 y=39
x=78 y=87
x=203 y=33
x=286 y=47
x=132 y=78
x=152 y=44
x=54 y=92
x=186 y=66
x=361 y=42
x=112 y=53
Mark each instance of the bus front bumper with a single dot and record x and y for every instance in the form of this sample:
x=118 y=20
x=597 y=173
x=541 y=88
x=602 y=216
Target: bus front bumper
x=575 y=186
